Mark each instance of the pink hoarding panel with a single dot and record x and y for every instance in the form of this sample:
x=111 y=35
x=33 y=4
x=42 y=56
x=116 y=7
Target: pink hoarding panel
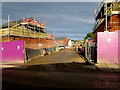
x=1 y=52
x=12 y=52
x=107 y=51
x=119 y=46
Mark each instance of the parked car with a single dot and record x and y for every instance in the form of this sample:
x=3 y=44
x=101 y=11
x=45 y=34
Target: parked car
x=62 y=47
x=52 y=49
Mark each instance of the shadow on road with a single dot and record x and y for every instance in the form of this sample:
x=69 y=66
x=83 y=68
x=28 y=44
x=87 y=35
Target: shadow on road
x=53 y=74
x=72 y=75
x=57 y=67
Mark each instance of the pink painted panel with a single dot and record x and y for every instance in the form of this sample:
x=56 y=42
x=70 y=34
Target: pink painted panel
x=119 y=46
x=0 y=51
x=12 y=52
x=107 y=47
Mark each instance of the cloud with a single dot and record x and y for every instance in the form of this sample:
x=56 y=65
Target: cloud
x=4 y=21
x=84 y=20
x=74 y=34
x=64 y=19
x=58 y=13
x=76 y=38
x=70 y=34
x=50 y=1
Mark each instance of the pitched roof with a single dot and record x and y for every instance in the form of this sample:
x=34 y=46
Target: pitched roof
x=60 y=38
x=12 y=23
x=30 y=21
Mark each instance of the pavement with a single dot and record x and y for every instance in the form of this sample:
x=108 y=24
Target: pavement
x=112 y=67
x=101 y=66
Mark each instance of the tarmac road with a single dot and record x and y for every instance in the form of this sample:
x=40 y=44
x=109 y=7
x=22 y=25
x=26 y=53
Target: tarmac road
x=60 y=70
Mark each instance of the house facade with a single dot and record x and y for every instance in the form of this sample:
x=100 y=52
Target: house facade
x=62 y=41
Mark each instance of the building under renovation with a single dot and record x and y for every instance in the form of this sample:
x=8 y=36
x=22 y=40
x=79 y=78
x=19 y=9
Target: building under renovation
x=103 y=47
x=31 y=32
x=107 y=17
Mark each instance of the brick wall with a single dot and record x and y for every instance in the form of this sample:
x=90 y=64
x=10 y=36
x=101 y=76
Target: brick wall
x=32 y=43
x=113 y=25
x=63 y=42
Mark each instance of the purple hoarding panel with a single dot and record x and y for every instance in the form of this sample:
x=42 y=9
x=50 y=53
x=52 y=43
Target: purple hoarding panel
x=12 y=52
x=107 y=51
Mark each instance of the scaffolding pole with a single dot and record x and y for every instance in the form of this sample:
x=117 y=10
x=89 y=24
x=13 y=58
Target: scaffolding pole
x=8 y=25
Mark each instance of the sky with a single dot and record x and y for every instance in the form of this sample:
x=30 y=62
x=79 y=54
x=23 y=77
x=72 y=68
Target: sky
x=63 y=19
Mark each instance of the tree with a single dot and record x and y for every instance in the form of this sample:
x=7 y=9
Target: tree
x=89 y=35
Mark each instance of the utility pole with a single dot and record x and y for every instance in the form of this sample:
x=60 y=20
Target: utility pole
x=8 y=25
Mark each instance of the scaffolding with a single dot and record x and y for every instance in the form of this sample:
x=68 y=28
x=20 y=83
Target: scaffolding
x=25 y=29
x=106 y=15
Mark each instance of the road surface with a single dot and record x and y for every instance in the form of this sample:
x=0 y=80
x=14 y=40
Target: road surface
x=60 y=70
